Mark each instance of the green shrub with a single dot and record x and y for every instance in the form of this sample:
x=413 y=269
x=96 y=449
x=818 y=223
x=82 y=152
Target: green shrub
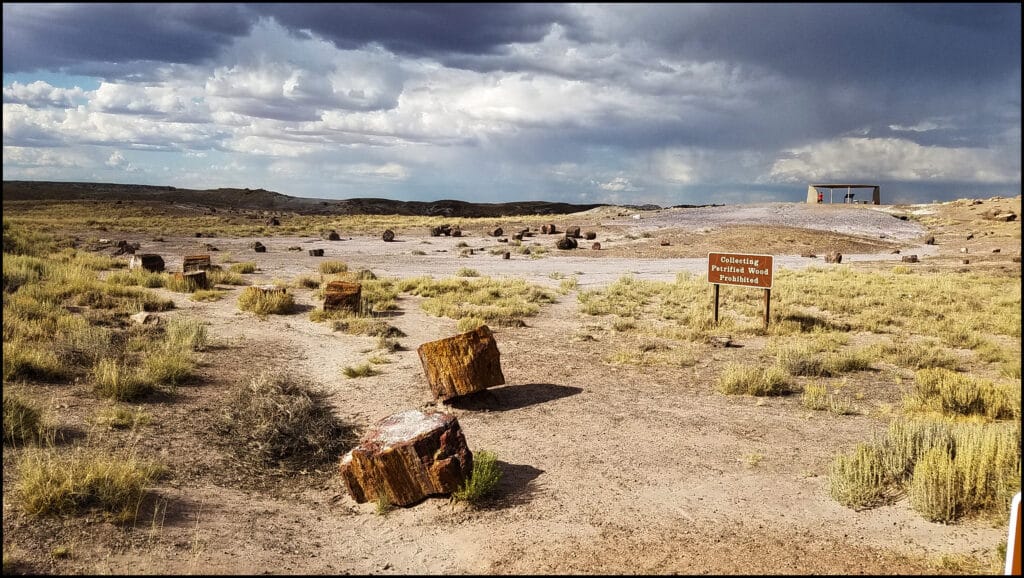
x=859 y=481
x=815 y=396
x=953 y=393
x=467 y=272
x=483 y=479
x=934 y=488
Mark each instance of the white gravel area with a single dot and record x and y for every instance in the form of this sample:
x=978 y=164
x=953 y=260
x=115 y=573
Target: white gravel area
x=866 y=220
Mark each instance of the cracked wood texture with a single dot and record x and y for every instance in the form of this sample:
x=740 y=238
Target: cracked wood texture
x=407 y=457
x=462 y=364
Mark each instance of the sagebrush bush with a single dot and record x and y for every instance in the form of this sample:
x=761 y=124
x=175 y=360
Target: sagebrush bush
x=954 y=393
x=274 y=419
x=243 y=268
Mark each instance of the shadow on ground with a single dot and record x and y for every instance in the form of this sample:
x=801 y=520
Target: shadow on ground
x=513 y=396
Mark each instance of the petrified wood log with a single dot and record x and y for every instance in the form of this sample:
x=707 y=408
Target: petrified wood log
x=566 y=243
x=197 y=278
x=339 y=295
x=590 y=235
x=596 y=246
x=330 y=235
x=388 y=235
x=496 y=232
x=407 y=457
x=316 y=252
x=462 y=364
x=273 y=222
x=147 y=261
x=506 y=255
x=195 y=263
x=910 y=258
x=573 y=232
x=455 y=232
x=834 y=257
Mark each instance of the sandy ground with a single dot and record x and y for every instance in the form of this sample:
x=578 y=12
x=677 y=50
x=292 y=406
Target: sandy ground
x=607 y=469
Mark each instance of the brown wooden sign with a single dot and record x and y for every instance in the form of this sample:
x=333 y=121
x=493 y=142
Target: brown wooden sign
x=743 y=270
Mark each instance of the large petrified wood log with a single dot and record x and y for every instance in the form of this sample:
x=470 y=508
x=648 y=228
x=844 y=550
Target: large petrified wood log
x=406 y=457
x=195 y=263
x=462 y=364
x=146 y=261
x=339 y=295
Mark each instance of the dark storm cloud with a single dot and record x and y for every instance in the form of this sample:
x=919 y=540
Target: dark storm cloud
x=839 y=42
x=421 y=29
x=104 y=37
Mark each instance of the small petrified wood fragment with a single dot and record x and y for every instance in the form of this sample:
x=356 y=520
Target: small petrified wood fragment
x=388 y=235
x=462 y=364
x=342 y=295
x=407 y=457
x=910 y=258
x=146 y=261
x=195 y=263
x=596 y=246
x=316 y=252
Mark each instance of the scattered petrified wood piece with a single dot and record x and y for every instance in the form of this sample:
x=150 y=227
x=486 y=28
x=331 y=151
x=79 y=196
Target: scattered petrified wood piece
x=929 y=240
x=388 y=235
x=720 y=341
x=506 y=255
x=342 y=295
x=566 y=243
x=808 y=255
x=462 y=364
x=596 y=246
x=147 y=261
x=910 y=259
x=407 y=457
x=195 y=263
x=590 y=235
x=316 y=252
x=197 y=278
x=330 y=235
x=496 y=232
x=573 y=232
x=834 y=257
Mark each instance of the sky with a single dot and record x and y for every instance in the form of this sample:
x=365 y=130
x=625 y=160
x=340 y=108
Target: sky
x=661 y=104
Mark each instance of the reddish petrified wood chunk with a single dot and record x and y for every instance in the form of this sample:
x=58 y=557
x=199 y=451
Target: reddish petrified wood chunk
x=340 y=295
x=195 y=263
x=462 y=364
x=406 y=457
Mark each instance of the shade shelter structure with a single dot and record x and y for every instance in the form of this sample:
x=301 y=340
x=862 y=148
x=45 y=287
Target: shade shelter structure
x=818 y=193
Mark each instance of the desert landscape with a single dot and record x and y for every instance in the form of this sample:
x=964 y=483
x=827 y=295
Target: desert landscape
x=632 y=434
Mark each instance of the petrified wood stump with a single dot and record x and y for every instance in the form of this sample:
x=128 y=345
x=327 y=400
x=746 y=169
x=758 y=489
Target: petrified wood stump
x=462 y=364
x=197 y=278
x=146 y=261
x=195 y=263
x=339 y=295
x=406 y=457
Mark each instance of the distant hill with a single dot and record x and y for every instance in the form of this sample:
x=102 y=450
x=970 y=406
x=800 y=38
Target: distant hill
x=263 y=200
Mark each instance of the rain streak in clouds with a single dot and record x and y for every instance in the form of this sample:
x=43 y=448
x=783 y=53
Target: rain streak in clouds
x=664 y=104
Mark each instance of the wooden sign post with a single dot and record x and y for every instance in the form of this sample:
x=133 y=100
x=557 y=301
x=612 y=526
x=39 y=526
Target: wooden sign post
x=754 y=271
x=1013 y=539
